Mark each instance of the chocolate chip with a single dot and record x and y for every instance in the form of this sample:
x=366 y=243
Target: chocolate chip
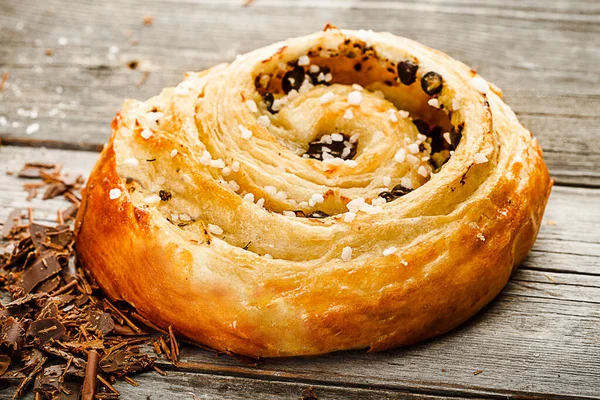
x=399 y=190
x=318 y=214
x=314 y=76
x=388 y=196
x=407 y=72
x=315 y=149
x=422 y=126
x=432 y=83
x=293 y=79
x=357 y=67
x=437 y=140
x=455 y=138
x=269 y=99
x=165 y=195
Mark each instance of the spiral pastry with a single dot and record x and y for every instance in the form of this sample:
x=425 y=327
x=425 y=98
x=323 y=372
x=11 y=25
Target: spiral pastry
x=342 y=190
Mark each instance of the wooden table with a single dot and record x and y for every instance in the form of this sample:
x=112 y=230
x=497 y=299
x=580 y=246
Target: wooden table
x=71 y=64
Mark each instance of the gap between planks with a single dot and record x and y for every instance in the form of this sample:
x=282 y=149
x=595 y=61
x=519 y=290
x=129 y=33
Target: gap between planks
x=408 y=388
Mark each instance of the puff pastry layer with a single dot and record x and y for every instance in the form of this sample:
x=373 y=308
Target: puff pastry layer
x=342 y=190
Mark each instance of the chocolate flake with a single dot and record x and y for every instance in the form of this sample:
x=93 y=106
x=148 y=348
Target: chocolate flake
x=44 y=267
x=13 y=333
x=12 y=223
x=57 y=312
x=23 y=384
x=50 y=383
x=126 y=360
x=70 y=213
x=102 y=322
x=33 y=171
x=45 y=329
x=55 y=189
x=4 y=363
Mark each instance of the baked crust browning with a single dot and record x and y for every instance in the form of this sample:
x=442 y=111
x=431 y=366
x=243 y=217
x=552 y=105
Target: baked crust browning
x=163 y=227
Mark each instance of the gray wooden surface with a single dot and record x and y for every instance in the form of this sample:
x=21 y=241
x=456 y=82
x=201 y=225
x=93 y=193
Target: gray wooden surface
x=539 y=339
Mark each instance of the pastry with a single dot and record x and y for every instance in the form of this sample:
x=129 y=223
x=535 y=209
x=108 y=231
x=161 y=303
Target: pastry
x=341 y=190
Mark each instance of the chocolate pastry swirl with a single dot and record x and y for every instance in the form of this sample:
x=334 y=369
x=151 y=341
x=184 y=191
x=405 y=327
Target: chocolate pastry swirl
x=342 y=190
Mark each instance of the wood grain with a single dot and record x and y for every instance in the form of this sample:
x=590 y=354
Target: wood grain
x=540 y=338
x=543 y=54
x=184 y=385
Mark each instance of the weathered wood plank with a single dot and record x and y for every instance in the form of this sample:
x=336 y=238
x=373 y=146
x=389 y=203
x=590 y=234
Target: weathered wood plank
x=534 y=346
x=549 y=78
x=539 y=338
x=184 y=385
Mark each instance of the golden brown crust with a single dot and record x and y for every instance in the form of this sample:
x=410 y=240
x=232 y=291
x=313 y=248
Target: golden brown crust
x=458 y=235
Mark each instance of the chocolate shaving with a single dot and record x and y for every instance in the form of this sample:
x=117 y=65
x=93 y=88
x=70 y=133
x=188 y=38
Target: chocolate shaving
x=44 y=267
x=33 y=171
x=51 y=383
x=101 y=322
x=49 y=285
x=91 y=371
x=13 y=333
x=38 y=367
x=126 y=360
x=55 y=189
x=45 y=329
x=4 y=363
x=12 y=222
x=70 y=213
x=56 y=315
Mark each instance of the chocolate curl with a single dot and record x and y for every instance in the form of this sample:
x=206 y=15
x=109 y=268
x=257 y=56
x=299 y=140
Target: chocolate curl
x=91 y=370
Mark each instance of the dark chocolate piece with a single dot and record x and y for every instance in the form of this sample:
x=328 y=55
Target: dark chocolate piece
x=292 y=79
x=432 y=83
x=318 y=214
x=45 y=329
x=407 y=72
